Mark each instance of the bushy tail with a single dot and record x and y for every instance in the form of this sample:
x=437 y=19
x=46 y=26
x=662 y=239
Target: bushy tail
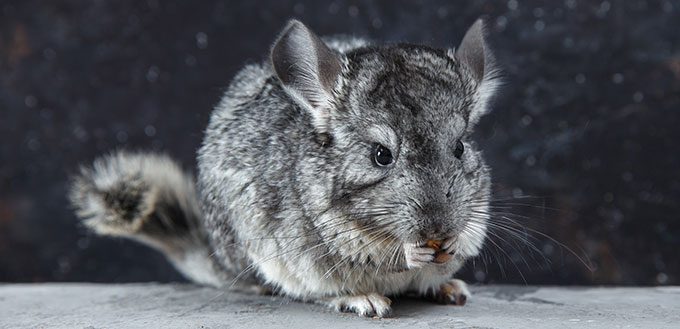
x=147 y=198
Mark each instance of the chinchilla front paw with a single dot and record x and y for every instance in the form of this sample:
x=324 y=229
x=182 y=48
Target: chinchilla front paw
x=371 y=304
x=417 y=256
x=449 y=245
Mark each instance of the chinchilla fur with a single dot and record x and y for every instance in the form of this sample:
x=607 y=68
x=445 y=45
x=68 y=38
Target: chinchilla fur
x=323 y=173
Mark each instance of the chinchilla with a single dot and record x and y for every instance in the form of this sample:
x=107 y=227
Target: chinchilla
x=338 y=172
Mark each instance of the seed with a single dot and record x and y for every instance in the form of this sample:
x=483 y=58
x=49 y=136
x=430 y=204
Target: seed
x=434 y=244
x=441 y=257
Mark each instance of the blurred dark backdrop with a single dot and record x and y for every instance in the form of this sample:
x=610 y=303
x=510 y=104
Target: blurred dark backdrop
x=584 y=138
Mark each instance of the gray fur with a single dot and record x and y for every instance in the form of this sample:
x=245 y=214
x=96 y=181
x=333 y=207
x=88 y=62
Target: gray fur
x=291 y=198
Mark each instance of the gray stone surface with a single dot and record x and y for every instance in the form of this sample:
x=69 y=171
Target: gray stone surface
x=189 y=306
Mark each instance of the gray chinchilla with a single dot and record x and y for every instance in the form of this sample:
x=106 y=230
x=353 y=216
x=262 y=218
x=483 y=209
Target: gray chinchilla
x=337 y=172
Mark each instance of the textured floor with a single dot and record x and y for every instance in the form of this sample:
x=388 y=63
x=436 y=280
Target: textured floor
x=584 y=137
x=189 y=306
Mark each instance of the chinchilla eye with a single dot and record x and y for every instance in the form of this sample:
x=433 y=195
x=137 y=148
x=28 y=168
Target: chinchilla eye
x=383 y=156
x=459 y=149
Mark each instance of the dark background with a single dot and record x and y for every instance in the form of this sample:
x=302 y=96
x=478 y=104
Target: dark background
x=584 y=137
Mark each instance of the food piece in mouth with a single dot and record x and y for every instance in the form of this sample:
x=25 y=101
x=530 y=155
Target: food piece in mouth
x=440 y=256
x=434 y=244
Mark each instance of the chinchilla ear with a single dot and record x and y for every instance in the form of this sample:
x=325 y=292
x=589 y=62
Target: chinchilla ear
x=474 y=54
x=308 y=70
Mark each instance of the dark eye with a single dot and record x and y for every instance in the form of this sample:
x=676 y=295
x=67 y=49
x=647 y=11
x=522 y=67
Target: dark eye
x=383 y=156
x=459 y=149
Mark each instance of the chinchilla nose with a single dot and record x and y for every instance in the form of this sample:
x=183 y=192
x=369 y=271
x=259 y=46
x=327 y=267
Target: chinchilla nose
x=433 y=206
x=434 y=224
x=434 y=230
